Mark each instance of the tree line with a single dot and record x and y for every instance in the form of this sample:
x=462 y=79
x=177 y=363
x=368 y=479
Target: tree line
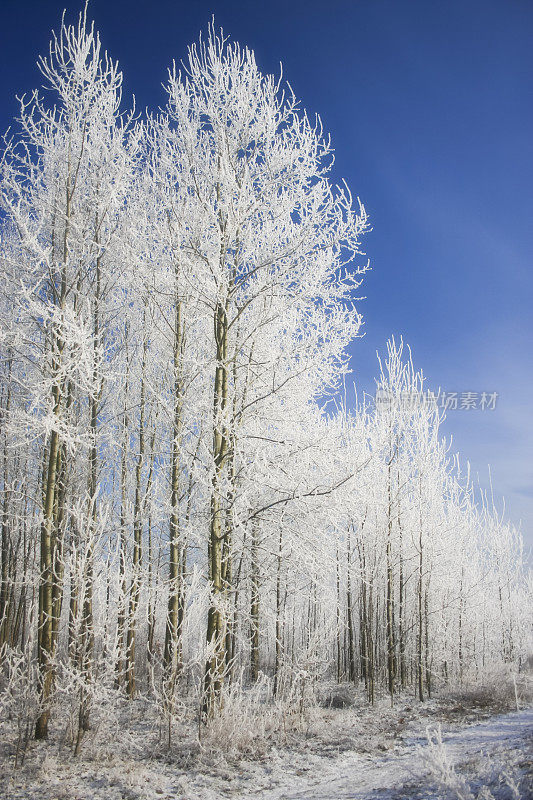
x=186 y=500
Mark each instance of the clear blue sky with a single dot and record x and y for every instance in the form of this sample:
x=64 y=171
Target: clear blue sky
x=430 y=108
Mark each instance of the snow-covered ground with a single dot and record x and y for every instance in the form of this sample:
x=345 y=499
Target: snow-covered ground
x=407 y=773
x=382 y=757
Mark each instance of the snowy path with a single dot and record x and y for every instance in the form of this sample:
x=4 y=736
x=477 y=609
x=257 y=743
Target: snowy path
x=399 y=774
x=394 y=777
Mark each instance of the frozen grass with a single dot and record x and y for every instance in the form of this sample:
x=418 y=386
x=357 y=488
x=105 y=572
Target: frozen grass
x=273 y=750
x=503 y=772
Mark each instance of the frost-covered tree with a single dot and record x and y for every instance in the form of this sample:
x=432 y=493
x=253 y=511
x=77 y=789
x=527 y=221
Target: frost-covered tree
x=64 y=184
x=269 y=238
x=188 y=510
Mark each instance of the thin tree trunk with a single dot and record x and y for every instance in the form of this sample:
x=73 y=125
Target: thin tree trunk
x=123 y=588
x=137 y=533
x=254 y=606
x=420 y=661
x=216 y=623
x=352 y=672
x=391 y=665
x=277 y=663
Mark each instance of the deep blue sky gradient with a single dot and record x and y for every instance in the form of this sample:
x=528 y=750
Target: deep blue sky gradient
x=430 y=109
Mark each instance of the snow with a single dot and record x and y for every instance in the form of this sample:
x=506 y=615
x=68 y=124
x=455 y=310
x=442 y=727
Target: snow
x=357 y=777
x=369 y=771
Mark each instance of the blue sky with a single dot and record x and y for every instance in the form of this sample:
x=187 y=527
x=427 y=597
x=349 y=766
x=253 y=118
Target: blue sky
x=430 y=109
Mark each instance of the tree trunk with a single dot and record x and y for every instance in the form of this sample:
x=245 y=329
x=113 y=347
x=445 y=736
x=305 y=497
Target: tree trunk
x=254 y=606
x=137 y=534
x=171 y=651
x=216 y=622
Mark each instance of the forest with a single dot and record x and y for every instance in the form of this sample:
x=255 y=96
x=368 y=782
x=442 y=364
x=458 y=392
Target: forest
x=193 y=515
